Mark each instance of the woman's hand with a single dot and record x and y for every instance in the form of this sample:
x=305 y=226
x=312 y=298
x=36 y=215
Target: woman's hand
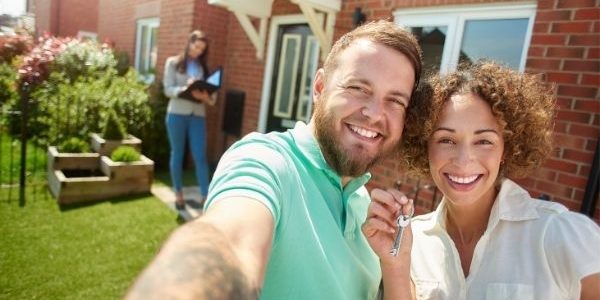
x=381 y=228
x=201 y=96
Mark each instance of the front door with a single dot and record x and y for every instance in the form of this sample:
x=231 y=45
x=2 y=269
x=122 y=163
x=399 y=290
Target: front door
x=295 y=64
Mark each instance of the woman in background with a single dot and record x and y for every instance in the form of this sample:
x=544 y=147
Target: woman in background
x=186 y=118
x=470 y=131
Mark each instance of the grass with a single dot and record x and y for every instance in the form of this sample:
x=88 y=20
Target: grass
x=10 y=158
x=86 y=252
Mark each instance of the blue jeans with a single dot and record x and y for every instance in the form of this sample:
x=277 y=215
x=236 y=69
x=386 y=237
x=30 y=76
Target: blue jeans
x=194 y=128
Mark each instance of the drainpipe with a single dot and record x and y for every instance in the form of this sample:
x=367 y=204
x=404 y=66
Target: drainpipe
x=590 y=198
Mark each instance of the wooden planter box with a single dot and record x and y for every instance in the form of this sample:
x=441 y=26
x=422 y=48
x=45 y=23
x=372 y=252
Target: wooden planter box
x=68 y=190
x=106 y=147
x=129 y=178
x=114 y=178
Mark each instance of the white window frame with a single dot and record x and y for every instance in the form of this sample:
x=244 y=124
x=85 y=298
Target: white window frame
x=454 y=18
x=140 y=23
x=87 y=35
x=283 y=65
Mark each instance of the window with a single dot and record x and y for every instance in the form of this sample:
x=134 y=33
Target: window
x=452 y=35
x=86 y=35
x=145 y=48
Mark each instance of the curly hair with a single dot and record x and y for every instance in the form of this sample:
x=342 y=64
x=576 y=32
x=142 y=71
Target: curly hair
x=522 y=104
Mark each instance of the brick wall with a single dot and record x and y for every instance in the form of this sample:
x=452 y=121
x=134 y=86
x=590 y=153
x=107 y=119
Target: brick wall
x=66 y=17
x=565 y=49
x=117 y=22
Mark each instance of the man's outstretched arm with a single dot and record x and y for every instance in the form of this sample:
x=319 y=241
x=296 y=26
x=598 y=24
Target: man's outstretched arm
x=221 y=255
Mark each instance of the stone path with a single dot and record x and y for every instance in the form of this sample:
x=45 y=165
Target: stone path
x=191 y=195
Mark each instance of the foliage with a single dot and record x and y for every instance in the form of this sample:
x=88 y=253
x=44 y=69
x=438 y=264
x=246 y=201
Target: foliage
x=87 y=59
x=112 y=128
x=13 y=46
x=155 y=133
x=74 y=145
x=35 y=68
x=8 y=88
x=125 y=154
x=123 y=62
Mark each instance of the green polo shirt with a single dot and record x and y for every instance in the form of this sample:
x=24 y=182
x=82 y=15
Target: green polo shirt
x=319 y=251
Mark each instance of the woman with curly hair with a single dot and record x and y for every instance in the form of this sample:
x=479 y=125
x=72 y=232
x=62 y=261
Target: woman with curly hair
x=470 y=131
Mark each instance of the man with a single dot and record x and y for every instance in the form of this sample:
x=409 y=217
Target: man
x=284 y=210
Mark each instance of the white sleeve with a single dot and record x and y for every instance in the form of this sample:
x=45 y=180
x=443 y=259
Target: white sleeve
x=171 y=89
x=572 y=243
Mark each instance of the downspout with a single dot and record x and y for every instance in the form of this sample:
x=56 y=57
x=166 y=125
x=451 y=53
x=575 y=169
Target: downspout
x=590 y=198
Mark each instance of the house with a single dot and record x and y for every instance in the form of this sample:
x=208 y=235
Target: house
x=270 y=50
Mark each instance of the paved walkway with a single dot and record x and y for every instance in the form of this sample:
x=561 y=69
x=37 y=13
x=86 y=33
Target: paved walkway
x=191 y=195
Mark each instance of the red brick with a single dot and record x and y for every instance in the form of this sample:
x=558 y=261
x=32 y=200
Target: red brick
x=560 y=127
x=584 y=170
x=584 y=40
x=590 y=79
x=543 y=64
x=587 y=105
x=571 y=27
x=536 y=51
x=578 y=156
x=575 y=3
x=545 y=174
x=555 y=189
x=564 y=52
x=541 y=28
x=564 y=103
x=591 y=145
x=568 y=141
x=593 y=53
x=548 y=39
x=561 y=165
x=553 y=15
x=545 y=4
x=582 y=65
x=572 y=181
x=577 y=91
x=587 y=14
x=562 y=77
x=566 y=115
x=584 y=130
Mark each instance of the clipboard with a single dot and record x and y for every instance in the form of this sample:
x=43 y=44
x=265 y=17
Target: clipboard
x=211 y=84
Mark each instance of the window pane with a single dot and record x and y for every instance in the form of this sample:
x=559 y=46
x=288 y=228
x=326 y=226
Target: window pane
x=500 y=40
x=431 y=39
x=286 y=79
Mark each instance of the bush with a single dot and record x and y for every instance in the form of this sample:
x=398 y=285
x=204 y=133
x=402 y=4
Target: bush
x=13 y=46
x=113 y=128
x=8 y=84
x=155 y=133
x=125 y=154
x=74 y=145
x=83 y=59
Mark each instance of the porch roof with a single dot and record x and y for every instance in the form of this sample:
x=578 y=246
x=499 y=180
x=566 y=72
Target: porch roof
x=261 y=9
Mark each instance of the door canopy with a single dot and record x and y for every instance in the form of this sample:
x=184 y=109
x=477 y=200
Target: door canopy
x=261 y=9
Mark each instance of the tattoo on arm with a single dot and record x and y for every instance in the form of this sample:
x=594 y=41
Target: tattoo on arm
x=196 y=263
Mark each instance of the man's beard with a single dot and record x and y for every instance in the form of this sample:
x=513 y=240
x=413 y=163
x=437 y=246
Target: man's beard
x=344 y=162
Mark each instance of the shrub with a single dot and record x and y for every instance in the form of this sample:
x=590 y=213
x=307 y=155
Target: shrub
x=8 y=84
x=35 y=68
x=74 y=145
x=87 y=59
x=155 y=133
x=13 y=46
x=113 y=128
x=125 y=154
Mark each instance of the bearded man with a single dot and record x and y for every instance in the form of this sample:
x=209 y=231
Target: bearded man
x=284 y=210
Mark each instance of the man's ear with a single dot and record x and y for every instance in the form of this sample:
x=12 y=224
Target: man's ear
x=318 y=84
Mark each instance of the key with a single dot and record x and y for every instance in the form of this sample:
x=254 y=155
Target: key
x=401 y=222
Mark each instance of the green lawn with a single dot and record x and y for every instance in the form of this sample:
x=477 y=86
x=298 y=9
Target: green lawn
x=86 y=252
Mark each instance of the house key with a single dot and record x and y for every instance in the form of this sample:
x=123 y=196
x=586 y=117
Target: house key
x=402 y=222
